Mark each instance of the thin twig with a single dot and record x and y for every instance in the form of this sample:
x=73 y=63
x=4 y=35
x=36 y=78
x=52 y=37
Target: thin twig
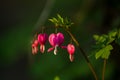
x=104 y=67
x=84 y=54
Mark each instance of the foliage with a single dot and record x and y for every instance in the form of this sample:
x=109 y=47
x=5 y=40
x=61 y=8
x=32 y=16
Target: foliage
x=104 y=42
x=61 y=22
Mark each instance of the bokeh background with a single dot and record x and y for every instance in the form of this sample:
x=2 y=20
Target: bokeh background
x=21 y=19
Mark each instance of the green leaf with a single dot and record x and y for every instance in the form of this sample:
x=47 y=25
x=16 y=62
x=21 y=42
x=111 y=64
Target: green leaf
x=112 y=33
x=61 y=22
x=103 y=38
x=110 y=40
x=60 y=19
x=55 y=20
x=100 y=39
x=96 y=37
x=107 y=51
x=104 y=52
x=99 y=53
x=111 y=36
x=51 y=20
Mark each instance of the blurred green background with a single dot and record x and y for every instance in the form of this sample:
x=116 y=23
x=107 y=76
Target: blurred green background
x=19 y=22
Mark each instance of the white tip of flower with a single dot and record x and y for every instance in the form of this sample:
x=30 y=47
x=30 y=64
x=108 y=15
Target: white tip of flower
x=71 y=57
x=55 y=50
x=42 y=48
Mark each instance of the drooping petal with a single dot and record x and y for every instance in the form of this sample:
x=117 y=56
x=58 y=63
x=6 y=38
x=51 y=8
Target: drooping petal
x=71 y=57
x=55 y=50
x=50 y=49
x=34 y=49
x=42 y=48
x=71 y=49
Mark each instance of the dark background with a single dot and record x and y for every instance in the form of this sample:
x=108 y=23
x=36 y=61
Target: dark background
x=18 y=25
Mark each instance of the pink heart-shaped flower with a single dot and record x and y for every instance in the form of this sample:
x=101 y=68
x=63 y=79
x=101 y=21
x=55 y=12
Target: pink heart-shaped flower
x=42 y=38
x=71 y=51
x=55 y=40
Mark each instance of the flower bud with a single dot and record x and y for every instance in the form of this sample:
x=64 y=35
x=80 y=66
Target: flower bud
x=42 y=38
x=71 y=51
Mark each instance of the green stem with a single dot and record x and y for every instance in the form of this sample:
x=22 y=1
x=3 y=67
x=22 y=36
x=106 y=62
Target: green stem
x=55 y=29
x=104 y=67
x=84 y=54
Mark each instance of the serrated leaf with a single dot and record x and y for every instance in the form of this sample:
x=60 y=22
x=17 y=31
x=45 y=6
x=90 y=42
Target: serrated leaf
x=107 y=51
x=111 y=36
x=55 y=20
x=51 y=20
x=60 y=19
x=110 y=40
x=61 y=22
x=59 y=16
x=100 y=39
x=103 y=38
x=96 y=37
x=104 y=52
x=112 y=33
x=99 y=53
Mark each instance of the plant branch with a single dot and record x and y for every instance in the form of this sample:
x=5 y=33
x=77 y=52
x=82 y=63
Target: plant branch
x=104 y=67
x=83 y=53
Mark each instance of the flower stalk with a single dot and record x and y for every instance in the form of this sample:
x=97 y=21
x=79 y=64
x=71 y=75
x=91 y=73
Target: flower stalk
x=104 y=67
x=83 y=53
x=71 y=51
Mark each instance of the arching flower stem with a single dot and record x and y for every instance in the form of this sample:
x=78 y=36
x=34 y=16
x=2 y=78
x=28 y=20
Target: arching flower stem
x=104 y=67
x=83 y=53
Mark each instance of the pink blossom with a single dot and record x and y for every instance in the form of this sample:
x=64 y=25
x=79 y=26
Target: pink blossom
x=35 y=47
x=55 y=40
x=42 y=38
x=71 y=50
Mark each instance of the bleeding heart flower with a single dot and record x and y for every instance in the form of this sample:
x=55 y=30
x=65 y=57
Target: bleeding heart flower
x=71 y=50
x=55 y=40
x=42 y=38
x=35 y=47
